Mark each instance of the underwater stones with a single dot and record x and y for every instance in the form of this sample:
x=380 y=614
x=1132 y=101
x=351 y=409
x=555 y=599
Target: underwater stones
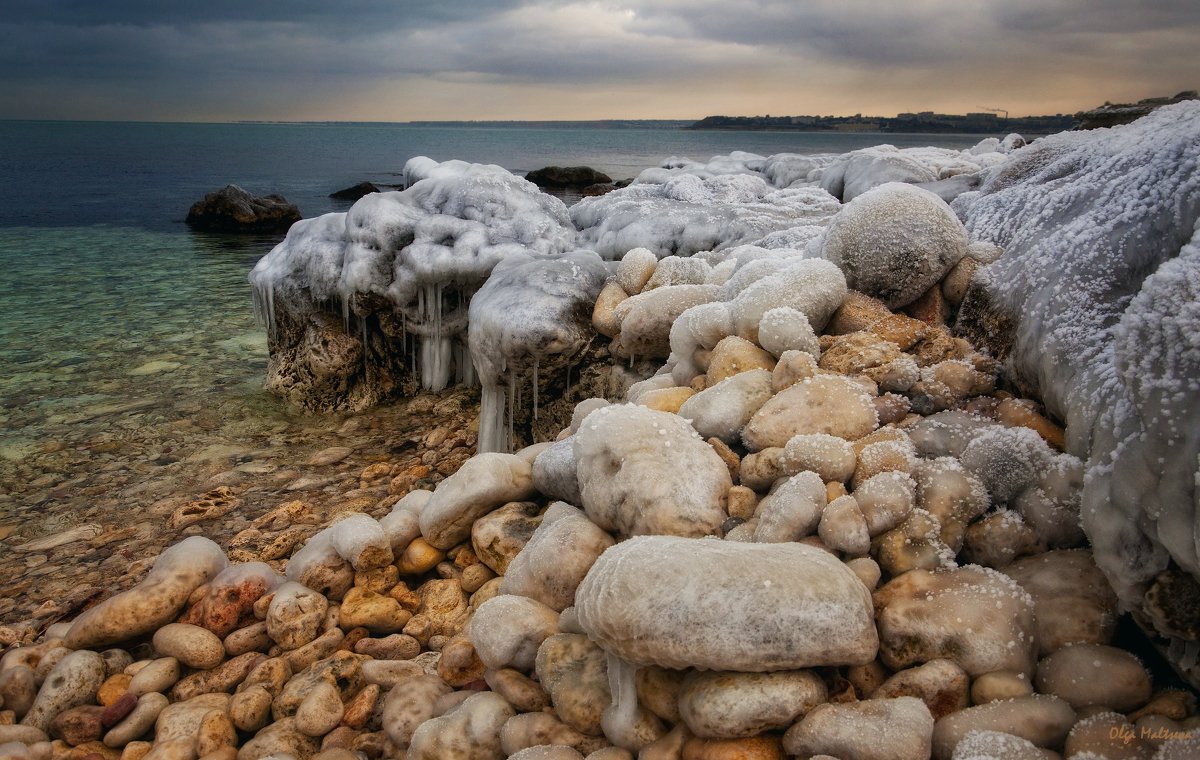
x=732 y=606
x=281 y=738
x=716 y=704
x=507 y=631
x=979 y=618
x=721 y=410
x=155 y=601
x=827 y=404
x=895 y=242
x=1072 y=599
x=1089 y=675
x=375 y=612
x=483 y=483
x=647 y=472
x=873 y=729
x=232 y=209
x=556 y=558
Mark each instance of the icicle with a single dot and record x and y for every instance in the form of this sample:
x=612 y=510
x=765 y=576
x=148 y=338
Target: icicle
x=620 y=718
x=346 y=312
x=535 y=389
x=491 y=418
x=512 y=394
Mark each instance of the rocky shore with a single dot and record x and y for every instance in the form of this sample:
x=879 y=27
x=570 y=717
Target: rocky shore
x=781 y=483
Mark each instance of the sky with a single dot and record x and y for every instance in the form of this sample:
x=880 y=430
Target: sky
x=399 y=60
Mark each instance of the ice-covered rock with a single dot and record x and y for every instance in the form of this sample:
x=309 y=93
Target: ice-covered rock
x=723 y=409
x=1093 y=307
x=873 y=729
x=895 y=242
x=828 y=404
x=406 y=265
x=978 y=618
x=533 y=315
x=718 y=704
x=677 y=602
x=556 y=559
x=155 y=601
x=483 y=483
x=647 y=472
x=683 y=214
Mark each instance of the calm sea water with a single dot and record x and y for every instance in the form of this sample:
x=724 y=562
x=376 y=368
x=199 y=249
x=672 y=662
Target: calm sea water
x=130 y=364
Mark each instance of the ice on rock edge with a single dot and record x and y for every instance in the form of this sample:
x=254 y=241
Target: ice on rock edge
x=686 y=214
x=424 y=250
x=1099 y=283
x=533 y=312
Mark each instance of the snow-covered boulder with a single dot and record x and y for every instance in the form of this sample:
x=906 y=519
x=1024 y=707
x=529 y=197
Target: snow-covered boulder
x=1095 y=308
x=895 y=242
x=405 y=265
x=687 y=214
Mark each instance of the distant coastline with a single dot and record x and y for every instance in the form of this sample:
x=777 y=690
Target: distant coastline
x=925 y=122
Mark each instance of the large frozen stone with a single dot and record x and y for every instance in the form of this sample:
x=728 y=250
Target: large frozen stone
x=722 y=410
x=873 y=729
x=647 y=317
x=715 y=704
x=484 y=482
x=648 y=472
x=979 y=618
x=722 y=605
x=895 y=242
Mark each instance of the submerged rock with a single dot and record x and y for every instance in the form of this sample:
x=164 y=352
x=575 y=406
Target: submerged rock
x=567 y=176
x=232 y=209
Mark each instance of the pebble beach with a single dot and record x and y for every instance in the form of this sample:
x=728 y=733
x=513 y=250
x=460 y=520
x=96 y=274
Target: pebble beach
x=757 y=458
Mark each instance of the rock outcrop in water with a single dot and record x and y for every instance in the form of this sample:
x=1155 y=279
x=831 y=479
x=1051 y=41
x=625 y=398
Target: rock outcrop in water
x=232 y=209
x=567 y=176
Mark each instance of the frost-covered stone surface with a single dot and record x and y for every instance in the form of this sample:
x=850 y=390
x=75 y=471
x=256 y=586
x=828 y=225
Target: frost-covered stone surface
x=1093 y=306
x=687 y=214
x=405 y=265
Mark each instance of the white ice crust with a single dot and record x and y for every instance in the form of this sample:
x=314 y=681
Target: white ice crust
x=1101 y=273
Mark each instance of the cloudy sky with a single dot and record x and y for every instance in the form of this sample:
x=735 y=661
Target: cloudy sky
x=400 y=60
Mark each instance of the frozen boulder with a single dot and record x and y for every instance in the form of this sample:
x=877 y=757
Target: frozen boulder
x=483 y=483
x=531 y=317
x=813 y=287
x=717 y=704
x=683 y=214
x=895 y=242
x=828 y=404
x=404 y=265
x=470 y=731
x=723 y=409
x=676 y=602
x=1089 y=308
x=556 y=559
x=554 y=472
x=1072 y=599
x=854 y=173
x=979 y=618
x=873 y=729
x=646 y=318
x=507 y=631
x=155 y=601
x=647 y=472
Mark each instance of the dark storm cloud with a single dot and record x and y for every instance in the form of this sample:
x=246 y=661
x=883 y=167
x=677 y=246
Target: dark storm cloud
x=349 y=59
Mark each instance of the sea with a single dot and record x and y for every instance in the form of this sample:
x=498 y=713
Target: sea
x=131 y=366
